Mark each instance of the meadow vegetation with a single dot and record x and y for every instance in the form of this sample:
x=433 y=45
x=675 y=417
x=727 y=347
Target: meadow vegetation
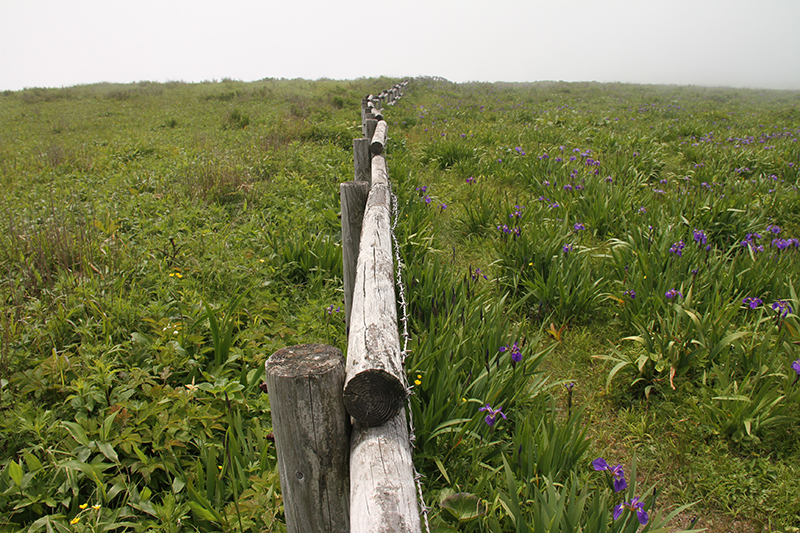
x=593 y=271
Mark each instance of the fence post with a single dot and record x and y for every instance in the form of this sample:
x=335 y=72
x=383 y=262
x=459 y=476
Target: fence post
x=312 y=431
x=370 y=124
x=354 y=200
x=361 y=160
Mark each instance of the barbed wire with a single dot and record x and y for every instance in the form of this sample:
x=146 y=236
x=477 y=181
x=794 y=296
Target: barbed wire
x=401 y=294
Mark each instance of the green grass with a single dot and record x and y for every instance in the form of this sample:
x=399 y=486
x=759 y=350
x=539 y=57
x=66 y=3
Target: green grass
x=160 y=241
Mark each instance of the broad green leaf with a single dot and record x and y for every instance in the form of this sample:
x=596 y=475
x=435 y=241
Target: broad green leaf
x=32 y=461
x=205 y=514
x=93 y=471
x=464 y=506
x=108 y=450
x=15 y=472
x=107 y=427
x=177 y=485
x=77 y=433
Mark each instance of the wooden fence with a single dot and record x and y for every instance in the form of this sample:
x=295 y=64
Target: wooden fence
x=338 y=423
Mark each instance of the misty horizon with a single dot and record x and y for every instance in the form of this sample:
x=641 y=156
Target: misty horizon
x=705 y=43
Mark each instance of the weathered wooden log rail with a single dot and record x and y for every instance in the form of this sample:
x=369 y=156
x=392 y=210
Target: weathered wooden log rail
x=311 y=386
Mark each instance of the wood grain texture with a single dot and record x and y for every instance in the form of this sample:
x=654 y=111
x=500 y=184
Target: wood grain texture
x=312 y=433
x=361 y=160
x=370 y=124
x=383 y=495
x=353 y=196
x=374 y=390
x=379 y=138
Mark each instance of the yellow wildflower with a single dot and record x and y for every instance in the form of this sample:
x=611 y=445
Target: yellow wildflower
x=75 y=520
x=96 y=506
x=83 y=506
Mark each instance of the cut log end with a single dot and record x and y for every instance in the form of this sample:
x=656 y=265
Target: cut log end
x=374 y=397
x=304 y=360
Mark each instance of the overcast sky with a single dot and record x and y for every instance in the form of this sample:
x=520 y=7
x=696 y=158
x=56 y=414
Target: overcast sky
x=739 y=43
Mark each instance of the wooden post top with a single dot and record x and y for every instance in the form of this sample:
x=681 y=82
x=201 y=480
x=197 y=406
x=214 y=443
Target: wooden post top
x=304 y=360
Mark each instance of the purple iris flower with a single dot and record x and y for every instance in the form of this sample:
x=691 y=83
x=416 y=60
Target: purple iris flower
x=630 y=294
x=600 y=464
x=633 y=505
x=752 y=302
x=492 y=414
x=579 y=226
x=677 y=248
x=672 y=293
x=516 y=354
x=699 y=236
x=478 y=273
x=783 y=244
x=796 y=366
x=782 y=307
x=567 y=248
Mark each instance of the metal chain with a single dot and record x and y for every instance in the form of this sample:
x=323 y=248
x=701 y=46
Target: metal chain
x=401 y=290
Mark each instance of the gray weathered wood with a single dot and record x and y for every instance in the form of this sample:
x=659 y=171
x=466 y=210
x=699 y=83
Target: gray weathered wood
x=354 y=200
x=383 y=496
x=378 y=138
x=374 y=390
x=376 y=102
x=361 y=160
x=312 y=431
x=370 y=125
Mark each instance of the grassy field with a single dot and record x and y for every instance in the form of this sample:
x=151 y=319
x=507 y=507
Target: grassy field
x=593 y=270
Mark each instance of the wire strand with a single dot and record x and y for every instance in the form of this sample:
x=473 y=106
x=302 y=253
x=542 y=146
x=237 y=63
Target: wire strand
x=401 y=291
